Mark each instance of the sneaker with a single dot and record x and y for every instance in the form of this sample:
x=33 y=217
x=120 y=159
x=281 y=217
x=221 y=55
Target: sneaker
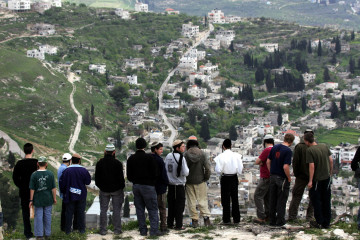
x=158 y=234
x=143 y=234
x=194 y=223
x=259 y=220
x=179 y=228
x=314 y=224
x=118 y=232
x=225 y=223
x=207 y=222
x=102 y=233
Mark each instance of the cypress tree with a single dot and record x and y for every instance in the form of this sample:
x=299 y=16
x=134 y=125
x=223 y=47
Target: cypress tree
x=269 y=82
x=303 y=104
x=352 y=35
x=337 y=45
x=204 y=131
x=334 y=110
x=11 y=159
x=319 y=50
x=221 y=103
x=333 y=59
x=343 y=104
x=259 y=75
x=192 y=116
x=326 y=74
x=86 y=118
x=118 y=139
x=309 y=49
x=233 y=133
x=352 y=65
x=279 y=118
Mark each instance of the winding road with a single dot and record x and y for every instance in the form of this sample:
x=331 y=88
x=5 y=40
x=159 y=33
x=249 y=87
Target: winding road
x=174 y=132
x=13 y=146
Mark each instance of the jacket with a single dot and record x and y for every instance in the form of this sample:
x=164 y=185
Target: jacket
x=199 y=166
x=163 y=180
x=355 y=163
x=21 y=175
x=171 y=166
x=142 y=168
x=109 y=174
x=300 y=167
x=73 y=183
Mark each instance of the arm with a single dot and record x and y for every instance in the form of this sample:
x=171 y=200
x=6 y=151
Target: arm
x=240 y=165
x=287 y=171
x=31 y=197
x=185 y=168
x=268 y=164
x=54 y=195
x=87 y=177
x=311 y=174
x=17 y=176
x=218 y=167
x=258 y=162
x=296 y=160
x=331 y=165
x=207 y=169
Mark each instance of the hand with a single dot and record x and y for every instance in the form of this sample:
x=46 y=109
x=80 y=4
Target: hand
x=289 y=179
x=309 y=185
x=55 y=201
x=30 y=204
x=261 y=163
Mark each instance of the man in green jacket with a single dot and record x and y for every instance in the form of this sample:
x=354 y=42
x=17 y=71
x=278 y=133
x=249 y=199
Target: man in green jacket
x=301 y=172
x=196 y=188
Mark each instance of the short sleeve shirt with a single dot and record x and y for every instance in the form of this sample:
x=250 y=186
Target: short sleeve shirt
x=319 y=155
x=264 y=171
x=279 y=156
x=42 y=182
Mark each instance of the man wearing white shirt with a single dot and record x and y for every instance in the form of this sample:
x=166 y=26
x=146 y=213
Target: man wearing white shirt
x=228 y=165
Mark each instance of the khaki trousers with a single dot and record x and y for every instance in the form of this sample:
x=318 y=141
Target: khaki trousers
x=197 y=193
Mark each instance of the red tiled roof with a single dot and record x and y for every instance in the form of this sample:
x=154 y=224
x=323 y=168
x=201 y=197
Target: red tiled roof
x=169 y=9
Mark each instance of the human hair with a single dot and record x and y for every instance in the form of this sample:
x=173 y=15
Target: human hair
x=75 y=160
x=157 y=146
x=192 y=143
x=140 y=143
x=177 y=146
x=269 y=141
x=42 y=164
x=227 y=143
x=28 y=148
x=309 y=137
x=289 y=138
x=109 y=153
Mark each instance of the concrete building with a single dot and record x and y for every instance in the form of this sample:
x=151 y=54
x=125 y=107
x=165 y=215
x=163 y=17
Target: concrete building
x=171 y=104
x=98 y=68
x=156 y=136
x=19 y=5
x=134 y=63
x=197 y=92
x=171 y=11
x=132 y=80
x=141 y=7
x=189 y=30
x=41 y=7
x=216 y=16
x=188 y=63
x=256 y=110
x=122 y=13
x=34 y=53
x=212 y=43
x=51 y=50
x=309 y=78
x=270 y=47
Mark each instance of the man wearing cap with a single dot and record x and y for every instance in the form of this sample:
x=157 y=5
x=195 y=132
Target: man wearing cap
x=161 y=184
x=65 y=163
x=177 y=170
x=109 y=178
x=143 y=171
x=229 y=165
x=42 y=197
x=301 y=172
x=261 y=196
x=73 y=183
x=21 y=176
x=196 y=188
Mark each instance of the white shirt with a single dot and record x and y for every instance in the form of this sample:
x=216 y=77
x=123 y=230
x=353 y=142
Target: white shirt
x=229 y=162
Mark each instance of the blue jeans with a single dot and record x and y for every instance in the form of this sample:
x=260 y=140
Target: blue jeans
x=42 y=221
x=117 y=199
x=79 y=208
x=145 y=196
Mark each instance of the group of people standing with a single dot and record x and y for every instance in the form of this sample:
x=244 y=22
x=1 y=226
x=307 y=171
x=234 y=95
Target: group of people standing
x=183 y=174
x=312 y=167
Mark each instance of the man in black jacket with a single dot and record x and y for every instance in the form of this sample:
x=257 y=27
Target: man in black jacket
x=109 y=178
x=143 y=172
x=21 y=176
x=355 y=166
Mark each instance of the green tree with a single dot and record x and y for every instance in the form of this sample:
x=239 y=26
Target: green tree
x=352 y=65
x=92 y=118
x=334 y=110
x=337 y=45
x=319 y=49
x=204 y=131
x=9 y=202
x=118 y=139
x=309 y=49
x=126 y=208
x=259 y=75
x=221 y=103
x=303 y=104
x=279 y=118
x=11 y=159
x=119 y=93
x=86 y=118
x=343 y=104
x=269 y=82
x=352 y=35
x=326 y=75
x=192 y=116
x=233 y=133
x=333 y=59
x=132 y=146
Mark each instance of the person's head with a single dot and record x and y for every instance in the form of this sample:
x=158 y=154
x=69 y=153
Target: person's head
x=309 y=138
x=268 y=140
x=28 y=148
x=140 y=143
x=226 y=144
x=309 y=131
x=192 y=142
x=42 y=162
x=76 y=158
x=178 y=146
x=289 y=138
x=157 y=148
x=109 y=149
x=66 y=158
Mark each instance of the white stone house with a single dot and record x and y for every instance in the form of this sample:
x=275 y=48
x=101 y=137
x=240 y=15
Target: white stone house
x=212 y=43
x=216 y=16
x=225 y=41
x=41 y=7
x=256 y=110
x=308 y=77
x=188 y=63
x=171 y=11
x=329 y=85
x=132 y=79
x=314 y=103
x=233 y=19
x=227 y=33
x=198 y=75
x=215 y=88
x=189 y=30
x=194 y=53
x=171 y=104
x=197 y=92
x=250 y=131
x=214 y=97
x=34 y=53
x=208 y=68
x=2 y=4
x=122 y=13
x=141 y=7
x=51 y=50
x=156 y=136
x=267 y=129
x=234 y=90
x=42 y=28
x=270 y=47
x=101 y=69
x=19 y=5
x=56 y=3
x=134 y=63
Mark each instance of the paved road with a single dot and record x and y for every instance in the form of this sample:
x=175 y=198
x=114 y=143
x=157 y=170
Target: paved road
x=174 y=132
x=13 y=146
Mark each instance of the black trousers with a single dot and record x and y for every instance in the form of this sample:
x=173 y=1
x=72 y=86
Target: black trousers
x=75 y=208
x=176 y=205
x=25 y=198
x=229 y=191
x=320 y=195
x=63 y=218
x=279 y=193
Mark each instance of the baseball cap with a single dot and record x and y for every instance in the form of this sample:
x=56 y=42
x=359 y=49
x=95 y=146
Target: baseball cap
x=110 y=147
x=42 y=159
x=66 y=157
x=177 y=142
x=268 y=136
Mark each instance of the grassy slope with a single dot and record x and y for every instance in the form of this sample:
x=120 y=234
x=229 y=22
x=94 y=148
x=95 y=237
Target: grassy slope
x=337 y=136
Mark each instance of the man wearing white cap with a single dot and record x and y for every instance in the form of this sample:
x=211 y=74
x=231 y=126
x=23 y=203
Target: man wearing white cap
x=66 y=158
x=261 y=196
x=109 y=178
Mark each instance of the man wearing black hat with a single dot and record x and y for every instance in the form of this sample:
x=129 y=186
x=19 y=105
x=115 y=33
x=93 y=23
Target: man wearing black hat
x=143 y=172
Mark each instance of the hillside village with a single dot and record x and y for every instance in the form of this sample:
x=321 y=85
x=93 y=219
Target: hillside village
x=196 y=91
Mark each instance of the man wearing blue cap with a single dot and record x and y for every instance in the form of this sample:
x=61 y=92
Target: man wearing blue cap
x=109 y=178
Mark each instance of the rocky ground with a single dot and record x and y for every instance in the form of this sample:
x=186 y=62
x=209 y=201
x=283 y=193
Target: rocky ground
x=246 y=231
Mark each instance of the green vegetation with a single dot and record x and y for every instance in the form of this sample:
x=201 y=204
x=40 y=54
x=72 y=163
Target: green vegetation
x=336 y=136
